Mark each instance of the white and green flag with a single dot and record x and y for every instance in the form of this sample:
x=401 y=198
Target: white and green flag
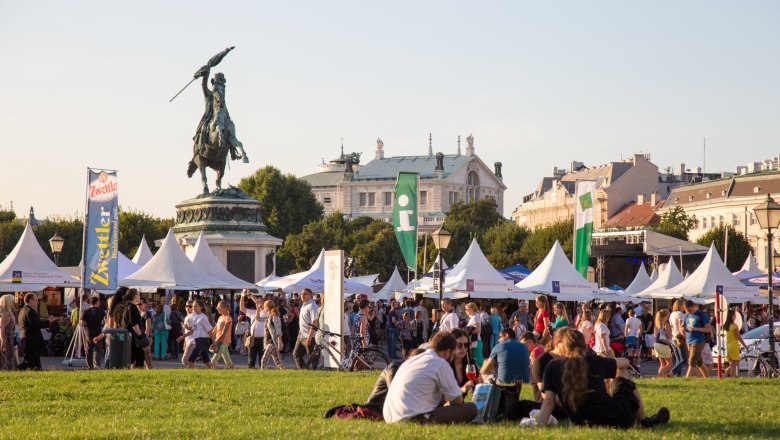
x=584 y=200
x=405 y=217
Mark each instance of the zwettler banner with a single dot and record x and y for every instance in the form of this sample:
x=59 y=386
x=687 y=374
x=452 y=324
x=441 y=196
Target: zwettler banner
x=101 y=231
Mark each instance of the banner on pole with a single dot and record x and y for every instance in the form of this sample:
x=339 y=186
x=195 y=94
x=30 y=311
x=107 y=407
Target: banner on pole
x=334 y=300
x=405 y=217
x=585 y=195
x=101 y=231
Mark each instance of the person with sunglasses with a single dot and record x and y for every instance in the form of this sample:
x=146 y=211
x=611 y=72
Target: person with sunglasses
x=461 y=362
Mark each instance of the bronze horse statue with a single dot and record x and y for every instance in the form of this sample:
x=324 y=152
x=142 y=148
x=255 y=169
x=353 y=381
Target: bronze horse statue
x=216 y=133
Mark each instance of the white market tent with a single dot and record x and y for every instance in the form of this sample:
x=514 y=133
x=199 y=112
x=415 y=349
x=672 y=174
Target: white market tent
x=701 y=284
x=640 y=283
x=314 y=279
x=394 y=284
x=556 y=267
x=125 y=268
x=606 y=294
x=654 y=276
x=143 y=254
x=444 y=264
x=35 y=268
x=266 y=281
x=669 y=277
x=205 y=260
x=749 y=269
x=171 y=269
x=368 y=280
x=475 y=276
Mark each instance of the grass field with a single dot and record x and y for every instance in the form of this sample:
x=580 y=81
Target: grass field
x=291 y=404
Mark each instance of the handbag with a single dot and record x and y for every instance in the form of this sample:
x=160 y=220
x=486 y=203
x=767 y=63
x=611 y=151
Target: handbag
x=141 y=341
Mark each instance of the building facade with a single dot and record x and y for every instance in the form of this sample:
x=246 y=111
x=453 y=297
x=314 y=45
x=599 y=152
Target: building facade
x=729 y=202
x=368 y=190
x=617 y=184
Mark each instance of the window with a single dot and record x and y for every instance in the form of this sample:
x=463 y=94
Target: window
x=423 y=198
x=326 y=200
x=735 y=219
x=371 y=199
x=720 y=220
x=704 y=222
x=473 y=187
x=454 y=197
x=388 y=198
x=752 y=219
x=362 y=197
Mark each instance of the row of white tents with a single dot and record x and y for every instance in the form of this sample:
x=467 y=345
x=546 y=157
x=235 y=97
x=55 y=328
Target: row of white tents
x=28 y=268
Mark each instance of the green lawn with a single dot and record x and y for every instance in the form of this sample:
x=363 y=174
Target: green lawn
x=290 y=404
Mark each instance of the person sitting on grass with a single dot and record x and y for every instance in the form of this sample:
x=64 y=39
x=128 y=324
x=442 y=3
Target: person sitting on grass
x=422 y=382
x=577 y=381
x=510 y=360
x=535 y=350
x=461 y=360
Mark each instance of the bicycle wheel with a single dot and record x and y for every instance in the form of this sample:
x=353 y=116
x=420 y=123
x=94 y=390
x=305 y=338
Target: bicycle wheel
x=314 y=360
x=752 y=367
x=370 y=358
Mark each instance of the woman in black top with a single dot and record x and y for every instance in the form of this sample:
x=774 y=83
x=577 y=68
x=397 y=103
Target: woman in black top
x=461 y=359
x=136 y=326
x=577 y=380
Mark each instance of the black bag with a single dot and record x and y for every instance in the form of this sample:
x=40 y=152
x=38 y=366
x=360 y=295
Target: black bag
x=141 y=341
x=487 y=328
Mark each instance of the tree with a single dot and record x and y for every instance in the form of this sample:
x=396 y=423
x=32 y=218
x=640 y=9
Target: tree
x=10 y=232
x=300 y=250
x=467 y=221
x=376 y=249
x=7 y=215
x=676 y=223
x=739 y=246
x=135 y=224
x=502 y=244
x=539 y=243
x=287 y=203
x=71 y=230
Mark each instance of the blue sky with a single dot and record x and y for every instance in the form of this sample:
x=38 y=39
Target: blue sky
x=539 y=84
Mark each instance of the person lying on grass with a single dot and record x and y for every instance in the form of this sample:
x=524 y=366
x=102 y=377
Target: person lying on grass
x=577 y=380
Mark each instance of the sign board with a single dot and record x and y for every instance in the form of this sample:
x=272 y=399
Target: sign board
x=436 y=276
x=556 y=287
x=469 y=285
x=16 y=276
x=334 y=303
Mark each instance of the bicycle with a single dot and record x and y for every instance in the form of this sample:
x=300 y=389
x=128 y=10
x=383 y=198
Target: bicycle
x=761 y=364
x=357 y=360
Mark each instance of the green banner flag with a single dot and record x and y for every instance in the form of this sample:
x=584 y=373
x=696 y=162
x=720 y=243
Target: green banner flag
x=585 y=192
x=405 y=216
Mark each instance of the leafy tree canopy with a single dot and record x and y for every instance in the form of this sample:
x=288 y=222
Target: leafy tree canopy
x=676 y=223
x=287 y=202
x=135 y=224
x=539 y=243
x=738 y=247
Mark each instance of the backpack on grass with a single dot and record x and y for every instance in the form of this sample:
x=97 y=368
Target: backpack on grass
x=355 y=411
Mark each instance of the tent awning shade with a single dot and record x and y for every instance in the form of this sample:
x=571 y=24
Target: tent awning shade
x=27 y=264
x=202 y=256
x=660 y=244
x=314 y=280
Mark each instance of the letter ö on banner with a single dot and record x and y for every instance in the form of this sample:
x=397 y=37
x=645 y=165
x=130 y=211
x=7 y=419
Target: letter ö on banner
x=404 y=215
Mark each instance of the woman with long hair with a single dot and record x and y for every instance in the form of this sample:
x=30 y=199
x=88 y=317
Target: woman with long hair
x=561 y=317
x=136 y=325
x=577 y=381
x=7 y=333
x=223 y=336
x=586 y=326
x=542 y=320
x=679 y=347
x=272 y=336
x=601 y=343
x=202 y=329
x=474 y=328
x=663 y=342
x=461 y=359
x=733 y=341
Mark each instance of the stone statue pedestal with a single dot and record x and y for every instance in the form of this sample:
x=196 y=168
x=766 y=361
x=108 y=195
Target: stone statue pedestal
x=231 y=223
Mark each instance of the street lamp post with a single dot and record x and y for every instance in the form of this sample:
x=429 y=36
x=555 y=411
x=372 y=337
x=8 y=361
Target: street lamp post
x=441 y=239
x=768 y=216
x=56 y=243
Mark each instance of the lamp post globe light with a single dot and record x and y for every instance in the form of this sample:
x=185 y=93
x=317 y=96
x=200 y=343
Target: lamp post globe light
x=768 y=216
x=441 y=239
x=56 y=242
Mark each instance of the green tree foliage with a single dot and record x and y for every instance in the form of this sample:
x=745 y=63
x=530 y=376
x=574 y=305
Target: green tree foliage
x=71 y=230
x=539 y=243
x=371 y=241
x=7 y=215
x=466 y=221
x=502 y=244
x=10 y=232
x=676 y=223
x=739 y=247
x=135 y=224
x=287 y=202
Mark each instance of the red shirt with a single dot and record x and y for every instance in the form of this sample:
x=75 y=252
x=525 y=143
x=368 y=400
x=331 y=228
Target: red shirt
x=540 y=315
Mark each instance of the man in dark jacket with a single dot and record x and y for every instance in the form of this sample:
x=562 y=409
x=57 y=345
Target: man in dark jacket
x=30 y=337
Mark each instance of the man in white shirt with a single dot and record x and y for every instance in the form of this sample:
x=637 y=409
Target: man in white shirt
x=257 y=318
x=307 y=324
x=449 y=320
x=420 y=384
x=633 y=333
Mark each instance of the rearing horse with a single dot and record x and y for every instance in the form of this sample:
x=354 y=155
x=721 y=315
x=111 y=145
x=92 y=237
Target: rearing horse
x=216 y=133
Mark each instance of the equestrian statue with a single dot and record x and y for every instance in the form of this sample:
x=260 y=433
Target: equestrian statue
x=216 y=133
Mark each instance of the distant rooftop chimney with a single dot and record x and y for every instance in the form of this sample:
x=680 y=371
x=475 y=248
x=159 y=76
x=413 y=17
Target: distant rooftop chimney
x=439 y=169
x=458 y=145
x=380 y=149
x=498 y=166
x=430 y=145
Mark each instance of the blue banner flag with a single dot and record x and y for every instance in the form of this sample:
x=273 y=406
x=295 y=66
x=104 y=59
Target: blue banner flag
x=101 y=231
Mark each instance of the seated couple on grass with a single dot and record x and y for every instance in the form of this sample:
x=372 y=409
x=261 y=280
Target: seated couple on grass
x=576 y=381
